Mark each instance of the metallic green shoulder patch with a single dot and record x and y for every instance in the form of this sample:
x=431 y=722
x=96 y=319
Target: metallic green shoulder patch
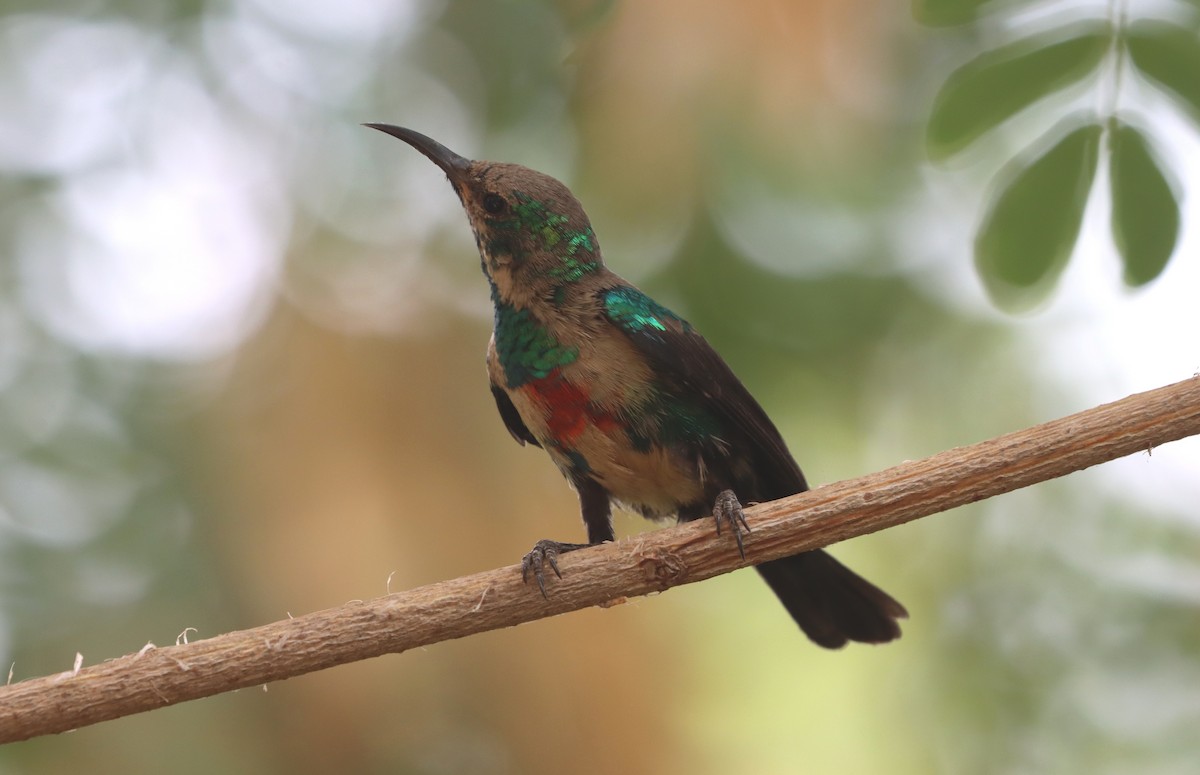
x=637 y=313
x=576 y=247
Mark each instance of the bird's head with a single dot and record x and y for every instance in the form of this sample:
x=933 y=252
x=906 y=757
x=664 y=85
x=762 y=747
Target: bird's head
x=534 y=238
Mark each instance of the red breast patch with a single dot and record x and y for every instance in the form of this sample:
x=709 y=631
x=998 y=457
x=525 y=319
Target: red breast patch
x=569 y=410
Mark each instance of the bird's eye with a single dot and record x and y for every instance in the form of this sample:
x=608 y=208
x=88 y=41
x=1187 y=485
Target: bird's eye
x=494 y=204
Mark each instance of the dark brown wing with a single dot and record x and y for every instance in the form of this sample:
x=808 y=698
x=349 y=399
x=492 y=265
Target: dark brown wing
x=687 y=365
x=512 y=418
x=830 y=603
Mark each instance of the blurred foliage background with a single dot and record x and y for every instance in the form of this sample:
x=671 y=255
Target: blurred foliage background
x=241 y=345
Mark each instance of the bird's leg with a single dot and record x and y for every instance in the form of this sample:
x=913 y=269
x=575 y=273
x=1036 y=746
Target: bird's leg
x=728 y=509
x=597 y=517
x=545 y=552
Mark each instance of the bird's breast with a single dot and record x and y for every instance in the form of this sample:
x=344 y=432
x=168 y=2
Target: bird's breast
x=606 y=440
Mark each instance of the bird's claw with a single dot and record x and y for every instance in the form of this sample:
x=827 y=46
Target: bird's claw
x=727 y=508
x=544 y=552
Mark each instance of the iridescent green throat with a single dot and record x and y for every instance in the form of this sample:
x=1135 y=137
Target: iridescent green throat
x=575 y=248
x=527 y=351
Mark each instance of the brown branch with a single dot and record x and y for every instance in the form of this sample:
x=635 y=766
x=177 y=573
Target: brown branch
x=634 y=566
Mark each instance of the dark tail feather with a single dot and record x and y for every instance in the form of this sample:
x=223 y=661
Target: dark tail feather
x=830 y=602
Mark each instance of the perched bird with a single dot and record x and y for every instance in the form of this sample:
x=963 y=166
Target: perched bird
x=631 y=403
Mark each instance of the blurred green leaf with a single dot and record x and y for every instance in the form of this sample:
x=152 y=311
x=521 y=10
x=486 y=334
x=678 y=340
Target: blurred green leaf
x=945 y=13
x=989 y=89
x=1145 y=210
x=1169 y=56
x=1033 y=220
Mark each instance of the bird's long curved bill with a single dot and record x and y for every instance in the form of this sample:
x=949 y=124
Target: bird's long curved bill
x=451 y=163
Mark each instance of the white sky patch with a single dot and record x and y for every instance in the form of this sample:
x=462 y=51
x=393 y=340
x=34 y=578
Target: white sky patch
x=356 y=20
x=60 y=80
x=174 y=260
x=165 y=237
x=171 y=262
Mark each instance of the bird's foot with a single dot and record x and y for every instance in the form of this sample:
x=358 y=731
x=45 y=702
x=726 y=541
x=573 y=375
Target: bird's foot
x=728 y=509
x=545 y=552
